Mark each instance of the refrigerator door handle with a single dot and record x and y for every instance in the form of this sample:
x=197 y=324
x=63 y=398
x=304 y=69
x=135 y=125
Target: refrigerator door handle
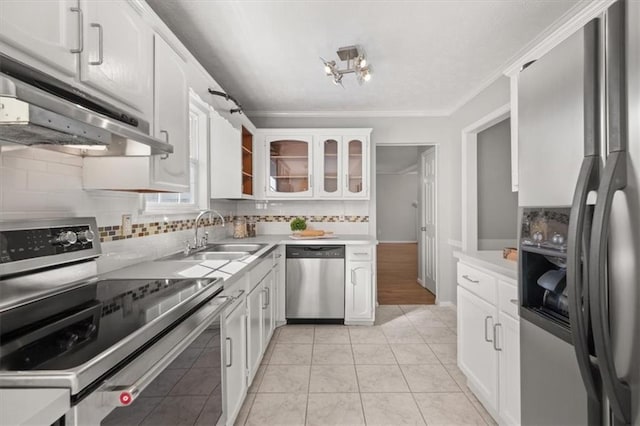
x=580 y=223
x=617 y=391
x=577 y=281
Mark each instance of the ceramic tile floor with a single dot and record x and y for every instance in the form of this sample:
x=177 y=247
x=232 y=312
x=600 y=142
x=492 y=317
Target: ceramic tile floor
x=402 y=371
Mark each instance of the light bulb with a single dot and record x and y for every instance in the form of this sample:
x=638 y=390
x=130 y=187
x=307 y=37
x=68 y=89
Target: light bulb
x=363 y=63
x=327 y=69
x=366 y=76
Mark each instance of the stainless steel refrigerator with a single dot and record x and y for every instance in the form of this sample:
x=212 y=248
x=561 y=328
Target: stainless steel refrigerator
x=579 y=149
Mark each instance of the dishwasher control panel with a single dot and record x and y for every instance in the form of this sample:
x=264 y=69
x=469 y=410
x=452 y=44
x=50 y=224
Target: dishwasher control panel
x=315 y=251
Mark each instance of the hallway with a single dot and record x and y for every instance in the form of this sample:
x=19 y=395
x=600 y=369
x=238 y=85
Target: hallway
x=398 y=274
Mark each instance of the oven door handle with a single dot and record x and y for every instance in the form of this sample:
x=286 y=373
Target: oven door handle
x=123 y=395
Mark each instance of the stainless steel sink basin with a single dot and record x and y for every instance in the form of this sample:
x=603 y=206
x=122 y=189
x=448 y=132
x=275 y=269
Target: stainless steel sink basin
x=208 y=255
x=233 y=247
x=228 y=251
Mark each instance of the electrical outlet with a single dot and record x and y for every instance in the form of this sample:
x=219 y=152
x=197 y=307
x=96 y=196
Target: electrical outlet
x=125 y=229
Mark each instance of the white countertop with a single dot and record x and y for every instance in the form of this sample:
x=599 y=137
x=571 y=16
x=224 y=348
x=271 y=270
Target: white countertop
x=33 y=406
x=491 y=260
x=229 y=271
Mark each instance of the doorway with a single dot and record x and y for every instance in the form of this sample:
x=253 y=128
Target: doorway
x=406 y=224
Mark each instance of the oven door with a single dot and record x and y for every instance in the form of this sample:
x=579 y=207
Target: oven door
x=177 y=380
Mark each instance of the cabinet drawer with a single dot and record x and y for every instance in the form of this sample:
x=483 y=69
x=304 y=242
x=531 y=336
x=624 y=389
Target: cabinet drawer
x=260 y=271
x=359 y=252
x=478 y=282
x=508 y=298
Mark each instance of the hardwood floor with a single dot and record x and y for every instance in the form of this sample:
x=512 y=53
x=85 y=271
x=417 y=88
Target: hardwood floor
x=398 y=275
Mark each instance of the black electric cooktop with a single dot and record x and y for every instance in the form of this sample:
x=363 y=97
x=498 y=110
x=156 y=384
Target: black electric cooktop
x=84 y=322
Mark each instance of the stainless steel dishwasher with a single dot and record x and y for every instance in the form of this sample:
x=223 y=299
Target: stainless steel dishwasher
x=315 y=283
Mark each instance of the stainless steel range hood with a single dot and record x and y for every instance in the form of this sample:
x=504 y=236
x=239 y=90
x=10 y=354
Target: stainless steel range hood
x=37 y=110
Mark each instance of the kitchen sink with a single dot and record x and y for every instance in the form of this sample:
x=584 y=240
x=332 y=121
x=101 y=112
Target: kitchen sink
x=229 y=251
x=233 y=247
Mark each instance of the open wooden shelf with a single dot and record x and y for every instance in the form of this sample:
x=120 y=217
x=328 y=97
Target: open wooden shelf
x=247 y=162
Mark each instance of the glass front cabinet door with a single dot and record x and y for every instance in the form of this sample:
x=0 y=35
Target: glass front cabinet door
x=342 y=167
x=329 y=176
x=289 y=167
x=356 y=167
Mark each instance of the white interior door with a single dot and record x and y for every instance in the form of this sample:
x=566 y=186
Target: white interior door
x=428 y=240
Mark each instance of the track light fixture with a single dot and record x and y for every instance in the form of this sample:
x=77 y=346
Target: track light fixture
x=356 y=64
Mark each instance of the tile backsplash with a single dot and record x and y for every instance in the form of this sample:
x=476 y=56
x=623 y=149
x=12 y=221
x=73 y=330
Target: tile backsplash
x=273 y=217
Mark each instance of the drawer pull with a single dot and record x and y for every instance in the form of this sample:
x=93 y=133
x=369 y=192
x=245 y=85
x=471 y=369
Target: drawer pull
x=486 y=338
x=361 y=254
x=466 y=277
x=514 y=301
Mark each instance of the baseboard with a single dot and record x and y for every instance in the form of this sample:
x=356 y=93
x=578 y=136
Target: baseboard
x=420 y=282
x=446 y=304
x=358 y=322
x=397 y=242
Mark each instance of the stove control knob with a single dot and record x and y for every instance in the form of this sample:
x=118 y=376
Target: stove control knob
x=537 y=236
x=557 y=239
x=68 y=341
x=66 y=239
x=88 y=331
x=86 y=236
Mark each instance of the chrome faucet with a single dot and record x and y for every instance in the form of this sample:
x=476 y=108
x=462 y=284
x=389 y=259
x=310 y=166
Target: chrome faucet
x=203 y=241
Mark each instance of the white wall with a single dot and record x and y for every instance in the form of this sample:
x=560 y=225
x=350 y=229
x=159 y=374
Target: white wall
x=396 y=216
x=497 y=204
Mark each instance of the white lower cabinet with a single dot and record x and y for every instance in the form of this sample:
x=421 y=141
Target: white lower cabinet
x=476 y=356
x=509 y=361
x=235 y=359
x=279 y=294
x=359 y=297
x=254 y=331
x=268 y=323
x=489 y=340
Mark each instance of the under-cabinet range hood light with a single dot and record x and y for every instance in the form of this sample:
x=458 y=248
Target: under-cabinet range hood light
x=40 y=111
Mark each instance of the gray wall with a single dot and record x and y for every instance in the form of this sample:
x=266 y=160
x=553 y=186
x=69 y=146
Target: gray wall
x=395 y=214
x=497 y=204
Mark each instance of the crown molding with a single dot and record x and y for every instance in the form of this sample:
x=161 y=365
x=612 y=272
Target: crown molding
x=574 y=19
x=346 y=114
x=571 y=21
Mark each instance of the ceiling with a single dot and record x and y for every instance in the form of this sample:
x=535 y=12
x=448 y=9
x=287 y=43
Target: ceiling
x=427 y=56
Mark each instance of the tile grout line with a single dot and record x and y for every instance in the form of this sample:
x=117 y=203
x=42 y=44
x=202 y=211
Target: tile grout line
x=355 y=369
x=313 y=347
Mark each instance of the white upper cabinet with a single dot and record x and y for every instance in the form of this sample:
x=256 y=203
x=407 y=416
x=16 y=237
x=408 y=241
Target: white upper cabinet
x=356 y=167
x=171 y=110
x=289 y=165
x=49 y=41
x=228 y=157
x=117 y=58
x=317 y=163
x=328 y=176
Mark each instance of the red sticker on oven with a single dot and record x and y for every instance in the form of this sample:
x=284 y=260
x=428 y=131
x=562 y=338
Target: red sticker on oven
x=125 y=398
